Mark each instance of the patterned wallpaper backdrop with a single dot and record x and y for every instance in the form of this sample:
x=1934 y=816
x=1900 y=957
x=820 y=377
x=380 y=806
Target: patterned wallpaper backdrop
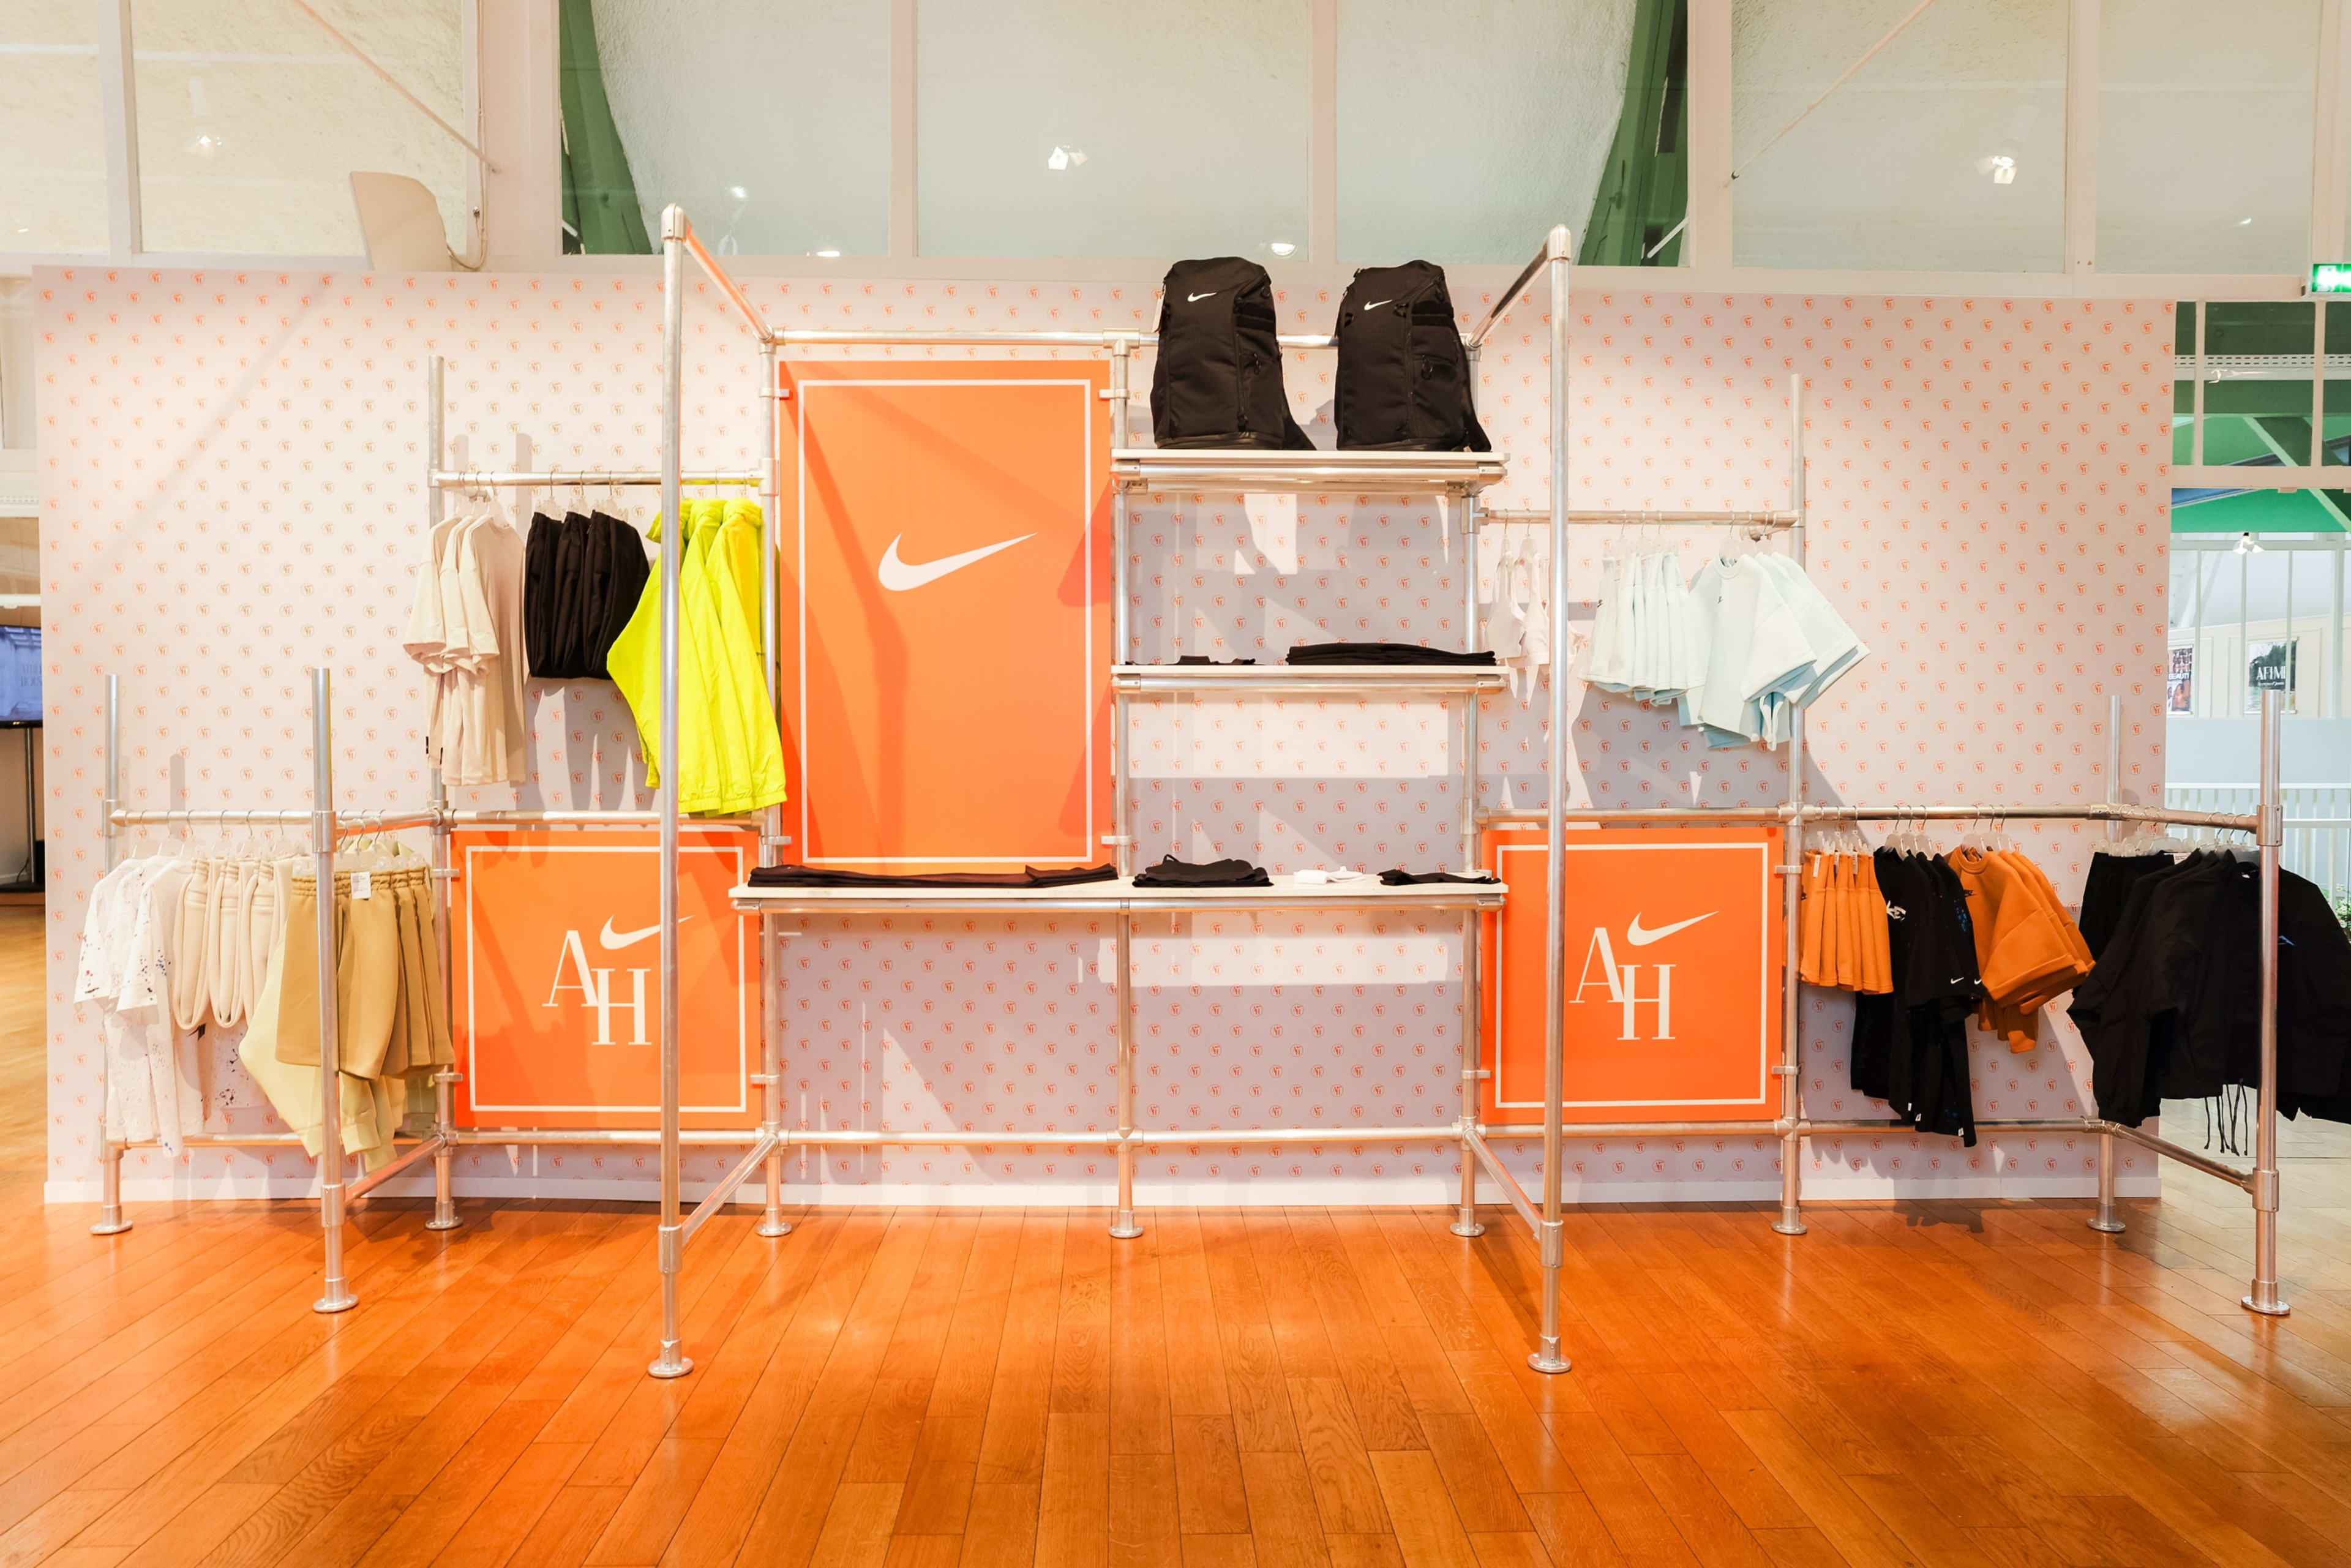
x=231 y=469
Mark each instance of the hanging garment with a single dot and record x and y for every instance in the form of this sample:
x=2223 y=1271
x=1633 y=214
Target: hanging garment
x=730 y=749
x=2027 y=948
x=1910 y=1044
x=1738 y=650
x=154 y=1088
x=467 y=628
x=391 y=1024
x=1842 y=924
x=2172 y=1010
x=2112 y=873
x=616 y=578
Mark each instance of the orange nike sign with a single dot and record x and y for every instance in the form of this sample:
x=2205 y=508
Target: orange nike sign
x=1674 y=950
x=555 y=979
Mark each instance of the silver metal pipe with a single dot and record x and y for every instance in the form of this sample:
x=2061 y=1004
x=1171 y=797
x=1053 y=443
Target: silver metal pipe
x=360 y=1186
x=1643 y=1129
x=552 y=478
x=445 y=1081
x=1121 y=637
x=1122 y=1225
x=1547 y=1357
x=469 y=818
x=728 y=286
x=335 y=1291
x=772 y=1223
x=1681 y=519
x=110 y=1153
x=1547 y=255
x=2085 y=811
x=2106 y=1221
x=2266 y=1297
x=719 y=1195
x=1791 y=1002
x=1465 y=1222
x=671 y=1242
x=584 y=1137
x=1367 y=894
x=222 y=819
x=1512 y=1191
x=875 y=1138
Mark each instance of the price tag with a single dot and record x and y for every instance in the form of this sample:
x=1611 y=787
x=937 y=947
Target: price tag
x=363 y=884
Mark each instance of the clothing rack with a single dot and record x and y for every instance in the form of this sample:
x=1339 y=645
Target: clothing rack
x=1455 y=476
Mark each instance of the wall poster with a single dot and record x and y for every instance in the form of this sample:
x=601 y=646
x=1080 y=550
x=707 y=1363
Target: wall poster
x=946 y=613
x=555 y=988
x=1675 y=944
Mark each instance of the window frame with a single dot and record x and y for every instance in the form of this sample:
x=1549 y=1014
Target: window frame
x=515 y=201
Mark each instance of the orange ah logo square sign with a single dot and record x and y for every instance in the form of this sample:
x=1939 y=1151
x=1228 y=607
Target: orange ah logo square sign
x=1674 y=952
x=556 y=950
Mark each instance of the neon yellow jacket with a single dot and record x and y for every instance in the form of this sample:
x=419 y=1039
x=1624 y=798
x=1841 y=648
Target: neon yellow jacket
x=729 y=752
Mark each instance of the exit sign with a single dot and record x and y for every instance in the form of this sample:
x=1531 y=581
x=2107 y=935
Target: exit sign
x=2330 y=278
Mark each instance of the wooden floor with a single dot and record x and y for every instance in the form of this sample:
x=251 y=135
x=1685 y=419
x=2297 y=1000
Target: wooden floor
x=1941 y=1383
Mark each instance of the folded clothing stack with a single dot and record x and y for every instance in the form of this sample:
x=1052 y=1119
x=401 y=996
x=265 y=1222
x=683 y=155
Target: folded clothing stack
x=1173 y=872
x=1400 y=877
x=1383 y=653
x=1028 y=876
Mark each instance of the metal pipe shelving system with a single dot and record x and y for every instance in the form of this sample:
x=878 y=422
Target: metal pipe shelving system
x=1453 y=475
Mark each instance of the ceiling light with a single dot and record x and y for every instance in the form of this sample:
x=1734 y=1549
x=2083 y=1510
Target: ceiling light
x=2244 y=223
x=1059 y=160
x=204 y=145
x=827 y=253
x=1281 y=247
x=2000 y=166
x=738 y=193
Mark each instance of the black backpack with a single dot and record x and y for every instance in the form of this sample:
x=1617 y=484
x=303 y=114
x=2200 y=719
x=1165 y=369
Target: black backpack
x=1404 y=375
x=1218 y=379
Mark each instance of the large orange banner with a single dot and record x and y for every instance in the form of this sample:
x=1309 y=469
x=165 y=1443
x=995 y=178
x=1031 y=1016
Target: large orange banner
x=945 y=553
x=1674 y=952
x=556 y=983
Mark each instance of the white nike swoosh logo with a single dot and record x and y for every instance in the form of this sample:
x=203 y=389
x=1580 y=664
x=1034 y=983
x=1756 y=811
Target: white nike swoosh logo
x=1195 y=298
x=1640 y=938
x=1377 y=303
x=898 y=577
x=613 y=941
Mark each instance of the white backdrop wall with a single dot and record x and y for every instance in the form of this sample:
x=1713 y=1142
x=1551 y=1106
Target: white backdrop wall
x=231 y=493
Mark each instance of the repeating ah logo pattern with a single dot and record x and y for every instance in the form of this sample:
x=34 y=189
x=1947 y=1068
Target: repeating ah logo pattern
x=231 y=467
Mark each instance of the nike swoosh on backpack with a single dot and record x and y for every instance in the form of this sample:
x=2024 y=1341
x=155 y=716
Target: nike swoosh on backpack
x=898 y=576
x=1640 y=938
x=1377 y=303
x=1195 y=298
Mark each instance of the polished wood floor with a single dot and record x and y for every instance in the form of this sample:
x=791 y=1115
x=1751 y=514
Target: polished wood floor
x=1937 y=1384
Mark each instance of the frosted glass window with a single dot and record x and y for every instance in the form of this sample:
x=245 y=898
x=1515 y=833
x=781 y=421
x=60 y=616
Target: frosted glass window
x=1945 y=153
x=2204 y=129
x=1513 y=107
x=252 y=120
x=769 y=124
x=53 y=172
x=1102 y=127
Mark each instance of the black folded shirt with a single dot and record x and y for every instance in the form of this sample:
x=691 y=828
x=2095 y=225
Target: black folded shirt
x=1173 y=872
x=1403 y=878
x=1383 y=653
x=817 y=876
x=1204 y=659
